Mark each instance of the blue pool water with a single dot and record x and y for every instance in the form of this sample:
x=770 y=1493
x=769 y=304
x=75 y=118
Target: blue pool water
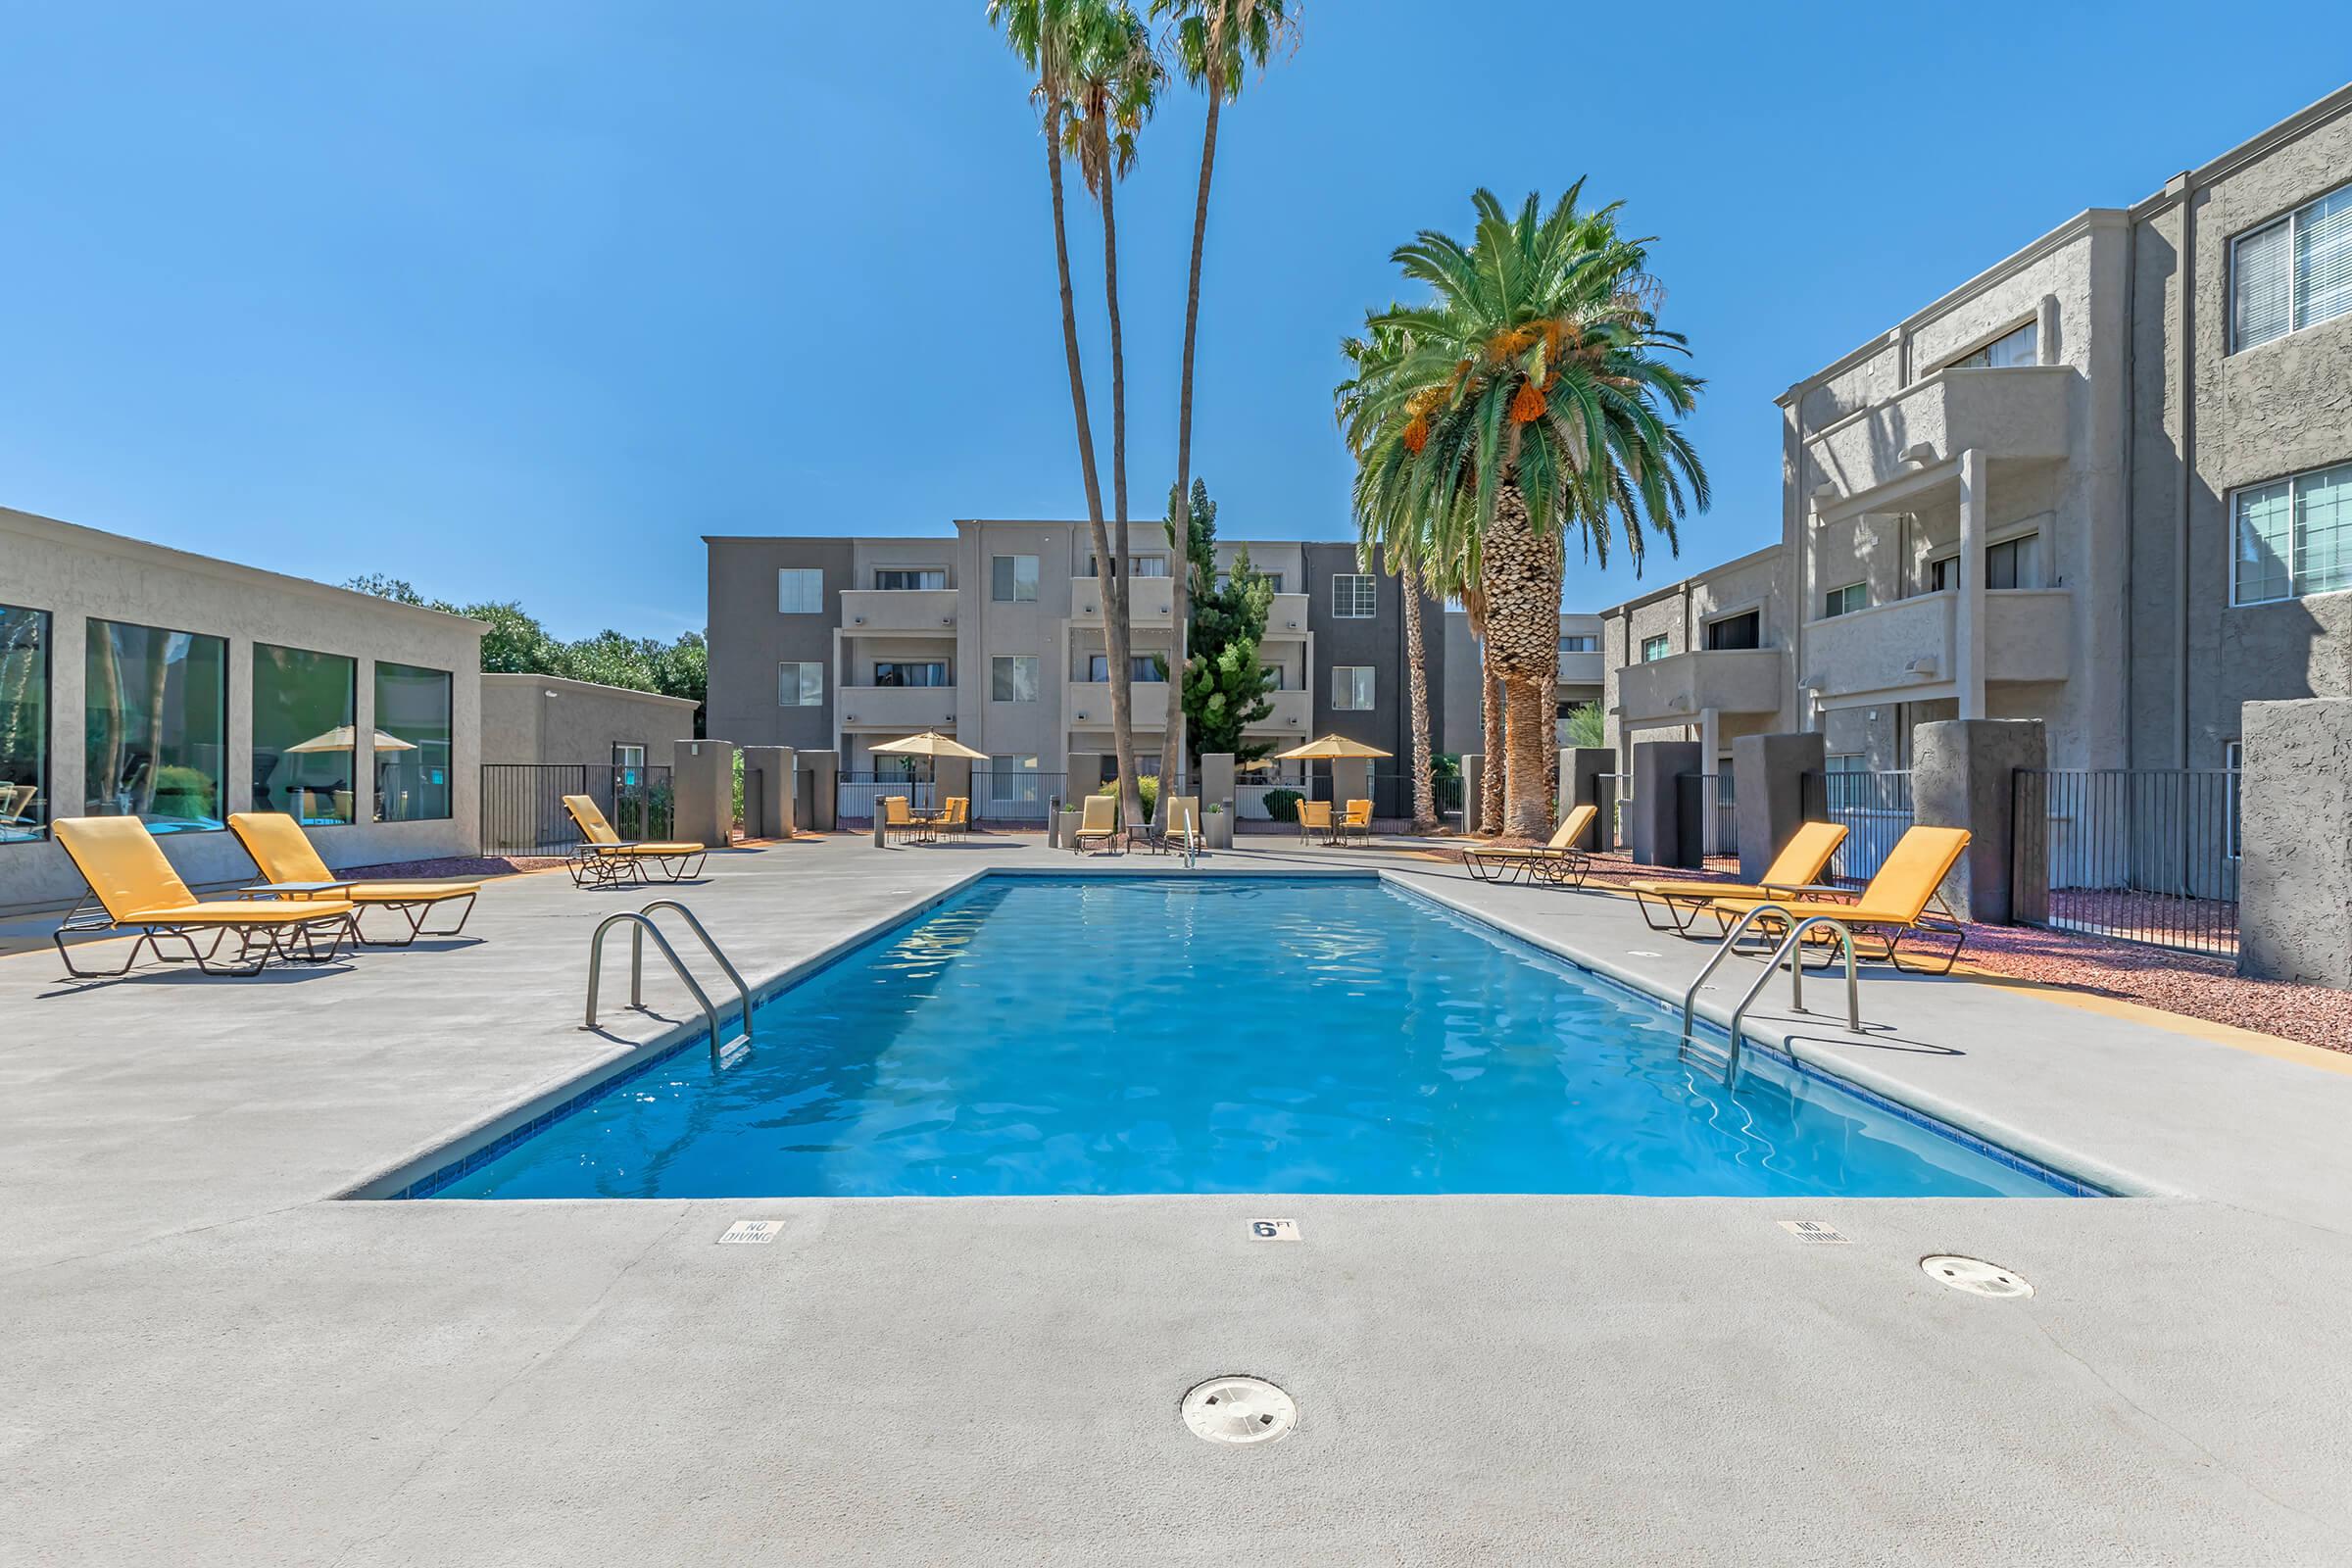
x=1120 y=1034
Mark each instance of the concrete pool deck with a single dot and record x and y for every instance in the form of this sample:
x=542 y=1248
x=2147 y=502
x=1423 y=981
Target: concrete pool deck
x=216 y=1361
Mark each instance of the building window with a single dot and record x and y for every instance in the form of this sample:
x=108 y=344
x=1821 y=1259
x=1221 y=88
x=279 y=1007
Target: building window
x=1583 y=642
x=413 y=708
x=1139 y=666
x=1846 y=600
x=911 y=672
x=1014 y=779
x=1352 y=688
x=1655 y=648
x=1848 y=762
x=800 y=591
x=900 y=579
x=2021 y=347
x=628 y=765
x=304 y=709
x=2014 y=563
x=1012 y=679
x=2293 y=273
x=1355 y=596
x=1147 y=566
x=801 y=685
x=1744 y=630
x=157 y=727
x=2294 y=537
x=24 y=724
x=1273 y=675
x=1012 y=578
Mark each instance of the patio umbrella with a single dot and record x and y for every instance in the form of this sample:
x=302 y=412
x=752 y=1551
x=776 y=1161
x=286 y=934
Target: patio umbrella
x=930 y=743
x=342 y=737
x=1329 y=749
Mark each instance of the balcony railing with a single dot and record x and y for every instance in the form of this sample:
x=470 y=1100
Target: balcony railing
x=1911 y=643
x=1582 y=669
x=1730 y=680
x=906 y=708
x=1150 y=601
x=898 y=611
x=2017 y=412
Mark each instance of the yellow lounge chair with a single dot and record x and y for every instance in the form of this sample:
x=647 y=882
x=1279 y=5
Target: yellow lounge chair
x=1794 y=872
x=1315 y=816
x=1098 y=821
x=1181 y=830
x=136 y=889
x=604 y=858
x=899 y=822
x=291 y=868
x=1559 y=863
x=1902 y=900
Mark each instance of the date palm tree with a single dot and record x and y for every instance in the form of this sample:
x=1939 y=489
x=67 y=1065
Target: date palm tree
x=1214 y=42
x=1531 y=401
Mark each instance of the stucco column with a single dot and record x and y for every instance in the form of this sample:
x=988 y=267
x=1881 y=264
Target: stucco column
x=1350 y=780
x=1768 y=793
x=1963 y=774
x=1656 y=836
x=1581 y=771
x=2294 y=915
x=1474 y=769
x=951 y=775
x=1968 y=614
x=1082 y=775
x=1216 y=778
x=703 y=778
x=777 y=809
x=825 y=787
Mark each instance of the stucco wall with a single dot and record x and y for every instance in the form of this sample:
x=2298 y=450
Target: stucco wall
x=78 y=573
x=539 y=718
x=749 y=639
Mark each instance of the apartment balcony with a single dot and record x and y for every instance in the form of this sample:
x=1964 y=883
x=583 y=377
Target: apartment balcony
x=1286 y=619
x=901 y=709
x=1905 y=650
x=1681 y=686
x=1151 y=602
x=1087 y=705
x=899 y=612
x=1293 y=714
x=2018 y=413
x=1582 y=669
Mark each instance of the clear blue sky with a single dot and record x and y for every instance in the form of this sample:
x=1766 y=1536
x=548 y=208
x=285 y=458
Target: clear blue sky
x=517 y=300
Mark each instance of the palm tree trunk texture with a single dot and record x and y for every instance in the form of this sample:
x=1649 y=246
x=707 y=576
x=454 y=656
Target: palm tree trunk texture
x=1489 y=703
x=1417 y=665
x=1173 y=740
x=1117 y=621
x=1522 y=583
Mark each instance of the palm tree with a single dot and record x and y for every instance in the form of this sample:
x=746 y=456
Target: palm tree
x=1113 y=84
x=1530 y=400
x=1214 y=42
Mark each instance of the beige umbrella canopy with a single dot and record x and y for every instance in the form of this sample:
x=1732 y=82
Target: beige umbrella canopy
x=342 y=736
x=930 y=743
x=1328 y=747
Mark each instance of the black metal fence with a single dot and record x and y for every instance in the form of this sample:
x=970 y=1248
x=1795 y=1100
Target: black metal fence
x=644 y=805
x=1876 y=809
x=522 y=806
x=1014 y=798
x=2146 y=854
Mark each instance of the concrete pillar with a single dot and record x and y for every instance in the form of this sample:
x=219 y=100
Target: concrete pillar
x=1655 y=818
x=1582 y=769
x=1474 y=768
x=703 y=774
x=1082 y=775
x=1968 y=614
x=1768 y=793
x=1710 y=739
x=823 y=771
x=1351 y=780
x=2294 y=893
x=951 y=775
x=1963 y=774
x=1216 y=778
x=773 y=765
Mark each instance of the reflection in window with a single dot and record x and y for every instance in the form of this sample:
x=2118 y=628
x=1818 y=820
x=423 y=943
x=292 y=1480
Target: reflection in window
x=911 y=672
x=303 y=713
x=23 y=723
x=411 y=744
x=1352 y=688
x=2021 y=347
x=2294 y=537
x=155 y=726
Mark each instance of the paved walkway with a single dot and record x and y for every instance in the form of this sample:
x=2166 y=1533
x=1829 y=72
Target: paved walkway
x=213 y=1361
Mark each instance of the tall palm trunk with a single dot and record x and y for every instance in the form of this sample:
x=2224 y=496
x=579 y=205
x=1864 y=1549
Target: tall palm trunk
x=1489 y=703
x=1522 y=582
x=1172 y=741
x=1118 y=630
x=1416 y=666
x=1070 y=349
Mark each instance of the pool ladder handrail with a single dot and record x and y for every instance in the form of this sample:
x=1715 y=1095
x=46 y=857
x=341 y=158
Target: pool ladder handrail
x=1791 y=945
x=640 y=922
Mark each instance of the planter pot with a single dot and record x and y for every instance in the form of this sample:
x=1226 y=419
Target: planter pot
x=1217 y=829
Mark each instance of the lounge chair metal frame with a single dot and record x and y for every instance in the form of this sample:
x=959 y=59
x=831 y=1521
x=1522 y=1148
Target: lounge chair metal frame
x=415 y=910
x=1684 y=901
x=1560 y=863
x=1877 y=937
x=257 y=944
x=1113 y=838
x=1881 y=940
x=618 y=863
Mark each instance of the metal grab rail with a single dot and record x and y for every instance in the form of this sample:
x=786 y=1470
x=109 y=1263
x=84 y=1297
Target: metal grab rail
x=640 y=923
x=1791 y=946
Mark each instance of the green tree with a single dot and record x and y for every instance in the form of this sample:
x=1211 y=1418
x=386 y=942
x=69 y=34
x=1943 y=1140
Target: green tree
x=1214 y=41
x=1225 y=685
x=1526 y=400
x=1584 y=727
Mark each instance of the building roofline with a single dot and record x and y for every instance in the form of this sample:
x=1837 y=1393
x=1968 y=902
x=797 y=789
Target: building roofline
x=53 y=531
x=2258 y=146
x=597 y=687
x=1683 y=584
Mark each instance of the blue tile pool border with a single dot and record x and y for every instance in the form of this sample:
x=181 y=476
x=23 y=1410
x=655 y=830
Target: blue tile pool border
x=2062 y=1184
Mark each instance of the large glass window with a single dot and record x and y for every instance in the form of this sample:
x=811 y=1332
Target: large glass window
x=1139 y=666
x=303 y=713
x=2293 y=273
x=412 y=724
x=156 y=726
x=1844 y=601
x=1655 y=648
x=23 y=723
x=1580 y=642
x=801 y=684
x=1014 y=779
x=903 y=578
x=800 y=591
x=1743 y=630
x=2294 y=537
x=911 y=672
x=2021 y=347
x=1352 y=688
x=1355 y=596
x=1012 y=578
x=1012 y=679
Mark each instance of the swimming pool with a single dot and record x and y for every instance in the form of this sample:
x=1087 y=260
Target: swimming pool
x=1123 y=1034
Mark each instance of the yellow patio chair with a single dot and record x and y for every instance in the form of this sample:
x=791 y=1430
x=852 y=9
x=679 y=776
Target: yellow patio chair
x=1794 y=872
x=1098 y=821
x=135 y=889
x=898 y=822
x=1182 y=829
x=1558 y=863
x=291 y=868
x=1904 y=899
x=1357 y=820
x=1315 y=816
x=958 y=816
x=604 y=858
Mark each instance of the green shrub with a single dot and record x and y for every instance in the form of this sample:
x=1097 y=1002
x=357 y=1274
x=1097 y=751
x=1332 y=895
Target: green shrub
x=1149 y=789
x=1283 y=805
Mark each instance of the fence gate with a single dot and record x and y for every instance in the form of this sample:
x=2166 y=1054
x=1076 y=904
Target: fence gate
x=2146 y=854
x=522 y=806
x=1876 y=810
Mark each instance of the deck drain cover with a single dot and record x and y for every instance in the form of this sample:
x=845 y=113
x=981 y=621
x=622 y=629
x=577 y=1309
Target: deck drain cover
x=1238 y=1410
x=1973 y=1275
